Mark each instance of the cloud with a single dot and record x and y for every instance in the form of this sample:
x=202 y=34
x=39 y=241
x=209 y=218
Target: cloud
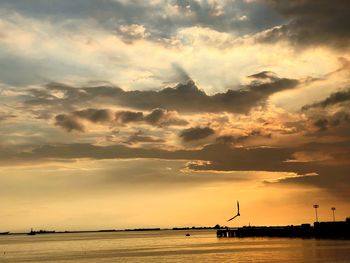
x=333 y=99
x=128 y=116
x=241 y=138
x=95 y=115
x=139 y=137
x=182 y=98
x=196 y=133
x=321 y=124
x=264 y=75
x=219 y=157
x=132 y=32
x=157 y=117
x=329 y=116
x=312 y=23
x=335 y=124
x=329 y=172
x=6 y=116
x=334 y=180
x=69 y=123
x=163 y=117
x=162 y=18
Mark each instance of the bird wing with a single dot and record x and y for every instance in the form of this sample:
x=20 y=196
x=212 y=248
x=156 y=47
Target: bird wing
x=232 y=218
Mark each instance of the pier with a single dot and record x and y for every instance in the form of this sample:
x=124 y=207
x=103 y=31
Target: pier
x=340 y=229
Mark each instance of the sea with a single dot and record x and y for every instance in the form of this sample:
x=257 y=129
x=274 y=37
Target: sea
x=167 y=246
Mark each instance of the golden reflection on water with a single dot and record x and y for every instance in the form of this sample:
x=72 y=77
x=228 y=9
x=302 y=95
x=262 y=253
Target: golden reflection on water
x=167 y=246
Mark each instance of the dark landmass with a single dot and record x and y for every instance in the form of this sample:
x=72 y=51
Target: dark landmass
x=143 y=229
x=41 y=232
x=337 y=230
x=196 y=228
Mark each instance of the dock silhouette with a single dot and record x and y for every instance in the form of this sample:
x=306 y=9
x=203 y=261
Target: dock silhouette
x=334 y=229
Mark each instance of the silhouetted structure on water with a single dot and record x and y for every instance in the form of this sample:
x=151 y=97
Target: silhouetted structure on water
x=339 y=229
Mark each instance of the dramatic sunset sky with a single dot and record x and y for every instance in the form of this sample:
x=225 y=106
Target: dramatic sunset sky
x=161 y=113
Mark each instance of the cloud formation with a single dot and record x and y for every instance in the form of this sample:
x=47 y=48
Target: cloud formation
x=157 y=117
x=312 y=23
x=196 y=133
x=333 y=99
x=308 y=163
x=182 y=98
x=69 y=123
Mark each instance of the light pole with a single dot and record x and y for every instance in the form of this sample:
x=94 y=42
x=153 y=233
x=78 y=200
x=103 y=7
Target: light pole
x=316 y=206
x=333 y=209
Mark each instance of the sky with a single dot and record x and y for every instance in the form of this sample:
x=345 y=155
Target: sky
x=162 y=113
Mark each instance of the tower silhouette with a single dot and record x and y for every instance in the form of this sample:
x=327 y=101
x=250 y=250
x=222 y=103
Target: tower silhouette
x=316 y=206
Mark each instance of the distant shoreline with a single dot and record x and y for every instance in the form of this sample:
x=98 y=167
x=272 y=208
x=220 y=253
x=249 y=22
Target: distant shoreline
x=46 y=232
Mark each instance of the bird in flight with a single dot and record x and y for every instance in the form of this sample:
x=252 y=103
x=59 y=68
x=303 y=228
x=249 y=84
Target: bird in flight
x=238 y=214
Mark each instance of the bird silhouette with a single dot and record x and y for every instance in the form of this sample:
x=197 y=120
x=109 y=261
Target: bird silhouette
x=238 y=214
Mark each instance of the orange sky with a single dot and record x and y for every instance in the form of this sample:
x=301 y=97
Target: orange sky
x=163 y=113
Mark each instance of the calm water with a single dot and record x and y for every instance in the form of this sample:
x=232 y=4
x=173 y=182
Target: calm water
x=167 y=246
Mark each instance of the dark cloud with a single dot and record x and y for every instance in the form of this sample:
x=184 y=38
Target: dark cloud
x=336 y=124
x=220 y=156
x=69 y=123
x=312 y=22
x=330 y=116
x=129 y=116
x=95 y=115
x=196 y=133
x=157 y=117
x=333 y=99
x=163 y=117
x=264 y=75
x=182 y=98
x=321 y=124
x=334 y=180
x=330 y=172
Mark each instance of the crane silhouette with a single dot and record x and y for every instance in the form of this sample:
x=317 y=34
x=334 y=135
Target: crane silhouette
x=238 y=214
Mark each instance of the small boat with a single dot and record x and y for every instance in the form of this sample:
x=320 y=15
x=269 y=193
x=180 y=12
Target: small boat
x=187 y=234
